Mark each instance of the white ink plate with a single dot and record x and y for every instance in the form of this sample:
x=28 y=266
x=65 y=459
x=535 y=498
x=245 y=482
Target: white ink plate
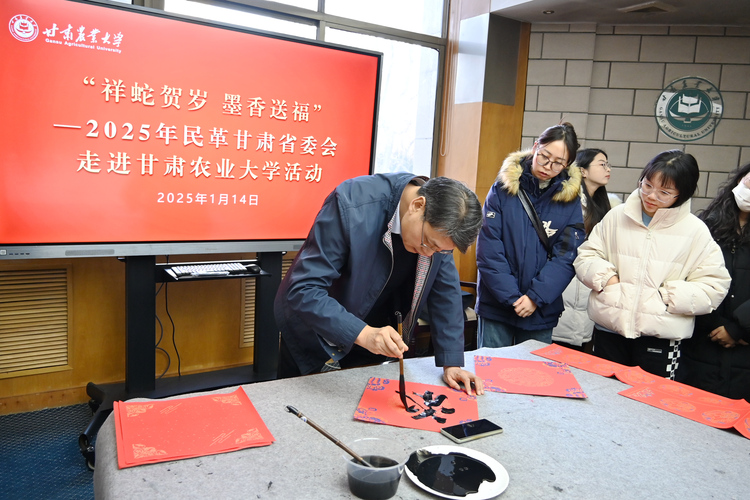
x=486 y=489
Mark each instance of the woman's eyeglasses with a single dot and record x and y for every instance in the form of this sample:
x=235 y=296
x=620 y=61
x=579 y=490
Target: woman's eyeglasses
x=543 y=159
x=661 y=196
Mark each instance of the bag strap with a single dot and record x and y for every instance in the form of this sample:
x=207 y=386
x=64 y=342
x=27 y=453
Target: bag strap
x=535 y=221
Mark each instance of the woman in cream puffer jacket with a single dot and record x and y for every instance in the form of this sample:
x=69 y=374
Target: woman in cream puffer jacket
x=652 y=267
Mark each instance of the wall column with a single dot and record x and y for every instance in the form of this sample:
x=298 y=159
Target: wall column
x=483 y=108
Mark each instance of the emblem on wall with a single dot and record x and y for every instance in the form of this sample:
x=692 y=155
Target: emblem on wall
x=689 y=108
x=23 y=28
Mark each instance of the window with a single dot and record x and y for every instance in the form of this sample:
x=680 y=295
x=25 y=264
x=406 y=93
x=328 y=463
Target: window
x=419 y=16
x=305 y=4
x=411 y=43
x=240 y=18
x=406 y=114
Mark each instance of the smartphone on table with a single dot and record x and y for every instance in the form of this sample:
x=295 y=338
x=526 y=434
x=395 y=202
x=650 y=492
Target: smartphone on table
x=469 y=431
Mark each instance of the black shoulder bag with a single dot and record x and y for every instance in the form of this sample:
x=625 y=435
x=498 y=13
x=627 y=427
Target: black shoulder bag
x=535 y=220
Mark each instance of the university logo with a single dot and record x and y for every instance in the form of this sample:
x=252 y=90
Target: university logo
x=23 y=28
x=689 y=108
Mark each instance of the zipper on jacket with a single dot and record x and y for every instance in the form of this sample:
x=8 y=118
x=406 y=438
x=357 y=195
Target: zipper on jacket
x=640 y=280
x=390 y=250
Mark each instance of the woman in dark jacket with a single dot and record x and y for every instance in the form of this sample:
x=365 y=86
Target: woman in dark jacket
x=520 y=284
x=717 y=357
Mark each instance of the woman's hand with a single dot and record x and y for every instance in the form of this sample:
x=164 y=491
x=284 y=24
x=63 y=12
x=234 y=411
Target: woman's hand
x=524 y=306
x=722 y=337
x=612 y=281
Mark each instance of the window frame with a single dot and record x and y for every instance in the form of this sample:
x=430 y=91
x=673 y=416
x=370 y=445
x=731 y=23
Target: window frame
x=322 y=20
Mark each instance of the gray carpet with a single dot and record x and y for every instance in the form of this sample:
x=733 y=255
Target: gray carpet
x=40 y=457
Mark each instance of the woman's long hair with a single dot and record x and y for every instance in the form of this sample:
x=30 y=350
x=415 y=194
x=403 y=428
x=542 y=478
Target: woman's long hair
x=597 y=205
x=722 y=216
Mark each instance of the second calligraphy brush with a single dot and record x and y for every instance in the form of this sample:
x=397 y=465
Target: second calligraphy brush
x=295 y=411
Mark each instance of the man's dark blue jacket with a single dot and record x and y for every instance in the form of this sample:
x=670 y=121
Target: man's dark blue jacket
x=343 y=266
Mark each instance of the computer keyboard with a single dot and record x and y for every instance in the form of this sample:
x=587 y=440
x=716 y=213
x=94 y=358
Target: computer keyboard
x=214 y=269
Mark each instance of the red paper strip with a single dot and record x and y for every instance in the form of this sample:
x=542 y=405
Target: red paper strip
x=674 y=397
x=163 y=430
x=636 y=376
x=381 y=404
x=685 y=405
x=743 y=425
x=582 y=360
x=686 y=401
x=519 y=376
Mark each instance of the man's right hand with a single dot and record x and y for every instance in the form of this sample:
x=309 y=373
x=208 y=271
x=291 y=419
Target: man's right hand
x=385 y=341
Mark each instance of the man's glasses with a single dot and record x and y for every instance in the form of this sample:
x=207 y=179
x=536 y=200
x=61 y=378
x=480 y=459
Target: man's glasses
x=543 y=158
x=431 y=248
x=661 y=196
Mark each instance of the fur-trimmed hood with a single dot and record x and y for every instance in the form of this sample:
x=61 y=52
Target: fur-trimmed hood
x=510 y=174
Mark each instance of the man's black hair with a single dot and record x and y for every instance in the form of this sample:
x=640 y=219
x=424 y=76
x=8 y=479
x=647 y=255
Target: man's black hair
x=453 y=209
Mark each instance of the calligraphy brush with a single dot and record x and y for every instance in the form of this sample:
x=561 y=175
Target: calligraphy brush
x=295 y=411
x=401 y=382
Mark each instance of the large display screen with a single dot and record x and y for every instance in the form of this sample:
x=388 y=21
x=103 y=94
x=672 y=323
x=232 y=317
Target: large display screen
x=126 y=130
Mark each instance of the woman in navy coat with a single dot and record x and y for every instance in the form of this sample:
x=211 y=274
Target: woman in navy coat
x=520 y=284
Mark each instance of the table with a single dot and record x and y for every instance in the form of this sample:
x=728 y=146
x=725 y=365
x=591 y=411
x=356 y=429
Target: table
x=604 y=447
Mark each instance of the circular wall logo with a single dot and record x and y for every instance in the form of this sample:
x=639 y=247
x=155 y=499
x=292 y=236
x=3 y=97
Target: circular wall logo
x=23 y=28
x=689 y=108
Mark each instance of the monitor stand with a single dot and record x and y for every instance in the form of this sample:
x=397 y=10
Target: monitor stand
x=141 y=276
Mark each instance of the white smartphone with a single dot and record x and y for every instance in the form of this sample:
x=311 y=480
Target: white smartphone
x=469 y=431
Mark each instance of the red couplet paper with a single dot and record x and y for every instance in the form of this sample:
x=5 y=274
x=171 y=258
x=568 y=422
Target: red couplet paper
x=520 y=376
x=686 y=404
x=163 y=430
x=438 y=406
x=674 y=397
x=743 y=425
x=635 y=375
x=577 y=359
x=686 y=401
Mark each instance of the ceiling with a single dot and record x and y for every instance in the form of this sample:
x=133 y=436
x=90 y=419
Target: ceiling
x=662 y=12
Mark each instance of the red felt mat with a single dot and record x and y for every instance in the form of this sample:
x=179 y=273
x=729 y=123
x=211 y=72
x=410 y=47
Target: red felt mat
x=164 y=430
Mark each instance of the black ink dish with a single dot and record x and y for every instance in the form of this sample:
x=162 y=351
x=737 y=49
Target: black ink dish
x=453 y=473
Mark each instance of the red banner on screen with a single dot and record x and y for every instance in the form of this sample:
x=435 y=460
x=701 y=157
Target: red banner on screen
x=120 y=126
